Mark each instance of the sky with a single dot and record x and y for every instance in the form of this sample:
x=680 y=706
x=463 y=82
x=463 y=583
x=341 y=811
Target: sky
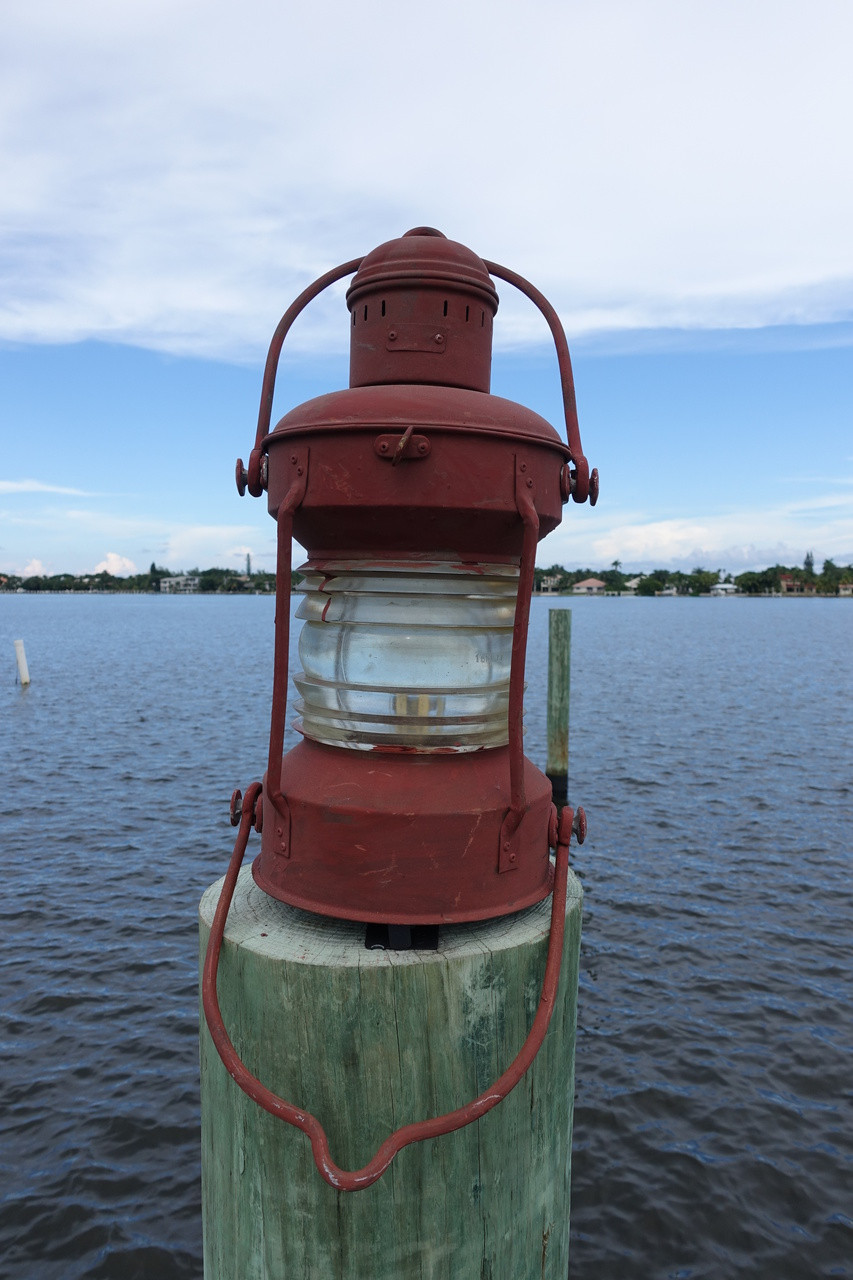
x=675 y=175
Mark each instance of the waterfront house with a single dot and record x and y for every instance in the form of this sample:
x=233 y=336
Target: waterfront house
x=589 y=587
x=792 y=586
x=182 y=583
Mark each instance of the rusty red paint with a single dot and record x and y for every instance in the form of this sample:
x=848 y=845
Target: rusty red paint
x=440 y=829
x=426 y=282
x=402 y=819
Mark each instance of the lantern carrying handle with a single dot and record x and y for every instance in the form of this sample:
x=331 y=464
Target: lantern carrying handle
x=584 y=484
x=358 y=1179
x=254 y=482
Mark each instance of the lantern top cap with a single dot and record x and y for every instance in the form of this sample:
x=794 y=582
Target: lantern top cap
x=423 y=257
x=424 y=231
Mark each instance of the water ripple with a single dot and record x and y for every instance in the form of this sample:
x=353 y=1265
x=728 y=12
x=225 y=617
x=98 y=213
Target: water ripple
x=711 y=745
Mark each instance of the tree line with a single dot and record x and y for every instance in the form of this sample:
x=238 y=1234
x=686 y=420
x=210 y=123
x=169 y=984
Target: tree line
x=221 y=581
x=700 y=581
x=210 y=581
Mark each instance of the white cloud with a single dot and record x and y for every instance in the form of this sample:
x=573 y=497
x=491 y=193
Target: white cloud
x=735 y=540
x=224 y=546
x=115 y=564
x=37 y=486
x=73 y=540
x=175 y=172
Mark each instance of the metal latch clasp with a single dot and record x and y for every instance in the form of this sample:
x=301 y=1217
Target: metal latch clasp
x=407 y=447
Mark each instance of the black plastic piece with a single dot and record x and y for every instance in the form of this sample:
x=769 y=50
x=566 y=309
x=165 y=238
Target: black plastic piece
x=401 y=937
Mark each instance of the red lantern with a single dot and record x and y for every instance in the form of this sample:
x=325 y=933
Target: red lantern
x=420 y=499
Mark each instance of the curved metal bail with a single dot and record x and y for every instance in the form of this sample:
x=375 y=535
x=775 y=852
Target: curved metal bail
x=584 y=485
x=251 y=478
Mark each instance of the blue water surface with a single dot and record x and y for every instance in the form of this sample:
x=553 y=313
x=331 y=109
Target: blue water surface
x=712 y=747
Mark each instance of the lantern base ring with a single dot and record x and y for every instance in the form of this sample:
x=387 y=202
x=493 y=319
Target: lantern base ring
x=358 y=1179
x=406 y=837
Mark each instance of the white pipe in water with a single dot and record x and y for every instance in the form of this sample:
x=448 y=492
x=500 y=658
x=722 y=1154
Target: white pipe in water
x=23 y=669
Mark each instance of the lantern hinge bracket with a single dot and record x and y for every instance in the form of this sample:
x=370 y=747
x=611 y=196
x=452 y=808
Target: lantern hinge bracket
x=298 y=470
x=510 y=842
x=406 y=447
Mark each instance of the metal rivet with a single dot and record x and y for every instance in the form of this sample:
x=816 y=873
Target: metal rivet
x=522 y=466
x=299 y=471
x=512 y=857
x=506 y=846
x=293 y=459
x=529 y=482
x=383 y=448
x=439 y=339
x=422 y=447
x=392 y=334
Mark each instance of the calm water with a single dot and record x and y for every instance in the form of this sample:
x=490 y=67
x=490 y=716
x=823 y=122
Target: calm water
x=712 y=747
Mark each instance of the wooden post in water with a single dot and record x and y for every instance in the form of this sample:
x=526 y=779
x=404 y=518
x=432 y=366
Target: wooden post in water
x=367 y=1041
x=559 y=681
x=21 y=658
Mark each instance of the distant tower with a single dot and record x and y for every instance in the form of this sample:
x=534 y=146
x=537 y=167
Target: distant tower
x=248 y=565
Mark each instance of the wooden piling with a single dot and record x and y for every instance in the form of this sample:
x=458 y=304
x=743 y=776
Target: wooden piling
x=369 y=1040
x=559 y=682
x=21 y=659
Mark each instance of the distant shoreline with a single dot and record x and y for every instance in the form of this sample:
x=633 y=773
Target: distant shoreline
x=776 y=581
x=537 y=595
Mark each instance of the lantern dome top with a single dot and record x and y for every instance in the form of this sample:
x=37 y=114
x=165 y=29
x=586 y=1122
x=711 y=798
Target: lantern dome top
x=422 y=309
x=424 y=256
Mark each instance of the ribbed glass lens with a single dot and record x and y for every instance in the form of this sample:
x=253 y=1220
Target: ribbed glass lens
x=414 y=655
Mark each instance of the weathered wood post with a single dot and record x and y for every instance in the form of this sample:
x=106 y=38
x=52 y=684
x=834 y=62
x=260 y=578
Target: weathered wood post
x=559 y=682
x=21 y=658
x=369 y=1040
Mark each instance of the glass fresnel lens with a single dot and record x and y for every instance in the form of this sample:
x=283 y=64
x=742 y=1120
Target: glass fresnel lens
x=410 y=657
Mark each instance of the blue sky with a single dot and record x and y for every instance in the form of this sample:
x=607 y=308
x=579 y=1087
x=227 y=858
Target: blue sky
x=674 y=176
